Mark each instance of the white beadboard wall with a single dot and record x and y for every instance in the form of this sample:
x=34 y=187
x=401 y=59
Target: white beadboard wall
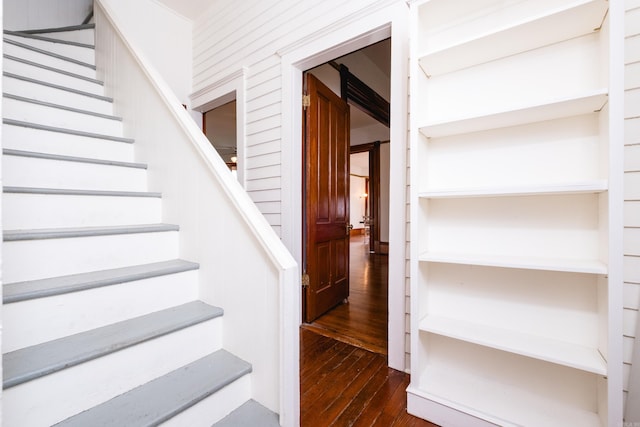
x=38 y=14
x=631 y=185
x=164 y=36
x=230 y=35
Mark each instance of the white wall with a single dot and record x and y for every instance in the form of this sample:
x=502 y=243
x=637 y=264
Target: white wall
x=632 y=204
x=162 y=36
x=274 y=41
x=38 y=14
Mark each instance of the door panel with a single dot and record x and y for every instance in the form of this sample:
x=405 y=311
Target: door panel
x=326 y=200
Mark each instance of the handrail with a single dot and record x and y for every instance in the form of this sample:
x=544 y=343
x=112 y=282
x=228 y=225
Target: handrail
x=258 y=310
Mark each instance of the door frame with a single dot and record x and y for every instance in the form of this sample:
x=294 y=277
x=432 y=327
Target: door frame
x=373 y=150
x=380 y=20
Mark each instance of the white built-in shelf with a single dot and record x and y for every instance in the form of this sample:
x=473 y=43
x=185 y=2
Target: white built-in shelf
x=596 y=186
x=537 y=347
x=566 y=22
x=554 y=109
x=501 y=403
x=521 y=262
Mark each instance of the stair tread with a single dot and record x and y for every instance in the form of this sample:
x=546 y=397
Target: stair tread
x=47 y=39
x=60 y=29
x=56 y=70
x=33 y=362
x=23 y=291
x=161 y=399
x=59 y=87
x=68 y=192
x=60 y=107
x=250 y=414
x=61 y=157
x=51 y=54
x=13 y=122
x=61 y=233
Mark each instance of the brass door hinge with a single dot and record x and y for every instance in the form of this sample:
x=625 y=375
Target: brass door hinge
x=306 y=101
x=305 y=280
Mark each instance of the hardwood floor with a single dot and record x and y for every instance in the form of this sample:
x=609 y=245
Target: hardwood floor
x=344 y=385
x=363 y=320
x=344 y=376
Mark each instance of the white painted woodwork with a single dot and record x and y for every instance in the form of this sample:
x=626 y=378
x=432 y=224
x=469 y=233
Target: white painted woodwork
x=52 y=116
x=59 y=257
x=31 y=211
x=51 y=76
x=86 y=36
x=163 y=37
x=215 y=407
x=36 y=14
x=276 y=41
x=516 y=206
x=201 y=195
x=56 y=96
x=632 y=209
x=73 y=390
x=28 y=139
x=71 y=175
x=44 y=319
x=80 y=53
x=48 y=60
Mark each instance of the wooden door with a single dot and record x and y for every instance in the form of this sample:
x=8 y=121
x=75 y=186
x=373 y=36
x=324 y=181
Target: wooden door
x=326 y=200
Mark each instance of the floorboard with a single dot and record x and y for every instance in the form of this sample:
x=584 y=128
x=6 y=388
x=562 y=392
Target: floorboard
x=363 y=320
x=344 y=385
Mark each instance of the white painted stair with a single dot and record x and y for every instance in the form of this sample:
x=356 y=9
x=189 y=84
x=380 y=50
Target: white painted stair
x=102 y=325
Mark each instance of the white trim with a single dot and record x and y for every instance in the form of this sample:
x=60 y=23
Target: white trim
x=355 y=34
x=233 y=86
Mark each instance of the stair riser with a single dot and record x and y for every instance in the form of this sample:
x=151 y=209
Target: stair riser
x=48 y=60
x=81 y=36
x=39 y=259
x=52 y=77
x=51 y=116
x=83 y=54
x=39 y=320
x=40 y=141
x=31 y=211
x=55 y=397
x=56 y=96
x=215 y=407
x=44 y=173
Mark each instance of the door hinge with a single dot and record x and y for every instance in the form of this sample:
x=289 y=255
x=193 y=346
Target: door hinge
x=306 y=101
x=305 y=280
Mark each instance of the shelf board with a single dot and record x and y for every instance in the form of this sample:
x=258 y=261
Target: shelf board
x=566 y=22
x=487 y=400
x=537 y=347
x=555 y=109
x=595 y=186
x=528 y=263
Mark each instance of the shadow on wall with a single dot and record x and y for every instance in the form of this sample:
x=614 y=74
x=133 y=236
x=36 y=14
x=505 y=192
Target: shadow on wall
x=39 y=14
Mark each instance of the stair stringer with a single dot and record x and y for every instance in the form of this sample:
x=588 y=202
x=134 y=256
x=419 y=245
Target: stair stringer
x=244 y=265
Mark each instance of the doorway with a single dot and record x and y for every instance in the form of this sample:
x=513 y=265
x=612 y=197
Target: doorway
x=362 y=318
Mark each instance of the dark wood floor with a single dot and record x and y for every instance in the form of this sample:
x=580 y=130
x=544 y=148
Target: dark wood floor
x=344 y=374
x=363 y=320
x=344 y=385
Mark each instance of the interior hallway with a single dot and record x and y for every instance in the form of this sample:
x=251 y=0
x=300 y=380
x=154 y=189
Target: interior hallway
x=363 y=320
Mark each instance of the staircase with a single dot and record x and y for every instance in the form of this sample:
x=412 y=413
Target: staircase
x=102 y=325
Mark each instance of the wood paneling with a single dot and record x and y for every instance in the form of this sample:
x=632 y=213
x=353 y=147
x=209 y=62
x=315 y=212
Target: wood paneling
x=632 y=185
x=343 y=385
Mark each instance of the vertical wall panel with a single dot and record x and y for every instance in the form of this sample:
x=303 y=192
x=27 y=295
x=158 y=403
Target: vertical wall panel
x=632 y=180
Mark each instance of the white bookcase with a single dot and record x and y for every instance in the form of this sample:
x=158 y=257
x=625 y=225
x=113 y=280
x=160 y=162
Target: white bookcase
x=511 y=307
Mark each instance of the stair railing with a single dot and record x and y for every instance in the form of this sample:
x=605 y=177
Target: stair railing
x=244 y=266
